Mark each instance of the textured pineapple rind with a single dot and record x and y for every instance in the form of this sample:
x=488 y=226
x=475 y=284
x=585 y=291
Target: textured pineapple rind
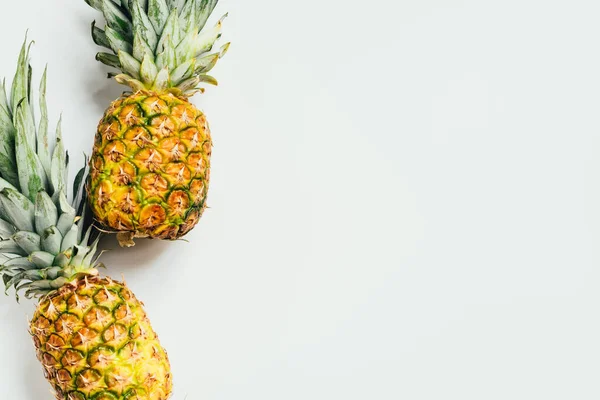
x=95 y=341
x=150 y=168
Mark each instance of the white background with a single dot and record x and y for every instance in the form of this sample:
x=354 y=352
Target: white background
x=405 y=202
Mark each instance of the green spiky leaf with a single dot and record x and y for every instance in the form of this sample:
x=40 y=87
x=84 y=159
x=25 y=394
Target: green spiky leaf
x=171 y=32
x=70 y=238
x=148 y=70
x=32 y=177
x=130 y=65
x=162 y=79
x=20 y=89
x=46 y=213
x=51 y=240
x=79 y=186
x=167 y=58
x=189 y=84
x=18 y=209
x=11 y=247
x=8 y=163
x=117 y=19
x=206 y=63
x=99 y=36
x=97 y=4
x=158 y=31
x=207 y=79
x=158 y=13
x=28 y=241
x=43 y=147
x=184 y=71
x=117 y=41
x=141 y=48
x=206 y=39
x=142 y=25
x=135 y=84
x=30 y=218
x=44 y=259
x=204 y=11
x=109 y=59
x=59 y=163
x=187 y=18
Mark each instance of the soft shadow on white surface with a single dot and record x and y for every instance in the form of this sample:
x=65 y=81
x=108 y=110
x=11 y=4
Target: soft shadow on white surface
x=18 y=349
x=139 y=257
x=33 y=379
x=109 y=91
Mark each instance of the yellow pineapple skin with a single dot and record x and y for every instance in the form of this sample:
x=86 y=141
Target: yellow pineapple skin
x=150 y=167
x=95 y=341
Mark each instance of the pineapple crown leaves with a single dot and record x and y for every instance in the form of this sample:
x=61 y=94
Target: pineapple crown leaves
x=159 y=45
x=43 y=241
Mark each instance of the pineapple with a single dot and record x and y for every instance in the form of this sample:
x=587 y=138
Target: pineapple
x=91 y=334
x=95 y=342
x=150 y=167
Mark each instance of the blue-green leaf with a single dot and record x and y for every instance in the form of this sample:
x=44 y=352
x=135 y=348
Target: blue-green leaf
x=97 y=4
x=32 y=177
x=46 y=213
x=183 y=71
x=167 y=58
x=158 y=12
x=185 y=49
x=148 y=70
x=28 y=241
x=206 y=63
x=3 y=97
x=141 y=48
x=133 y=83
x=204 y=10
x=64 y=206
x=79 y=186
x=117 y=41
x=8 y=163
x=7 y=229
x=9 y=246
x=109 y=59
x=187 y=18
x=43 y=147
x=17 y=209
x=43 y=259
x=88 y=260
x=172 y=4
x=80 y=253
x=4 y=184
x=143 y=5
x=20 y=89
x=143 y=26
x=59 y=163
x=21 y=262
x=117 y=19
x=189 y=84
x=70 y=239
x=206 y=39
x=99 y=36
x=171 y=32
x=129 y=65
x=162 y=80
x=51 y=240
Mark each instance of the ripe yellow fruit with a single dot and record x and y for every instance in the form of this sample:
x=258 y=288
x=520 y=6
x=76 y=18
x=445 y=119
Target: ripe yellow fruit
x=151 y=159
x=95 y=342
x=150 y=167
